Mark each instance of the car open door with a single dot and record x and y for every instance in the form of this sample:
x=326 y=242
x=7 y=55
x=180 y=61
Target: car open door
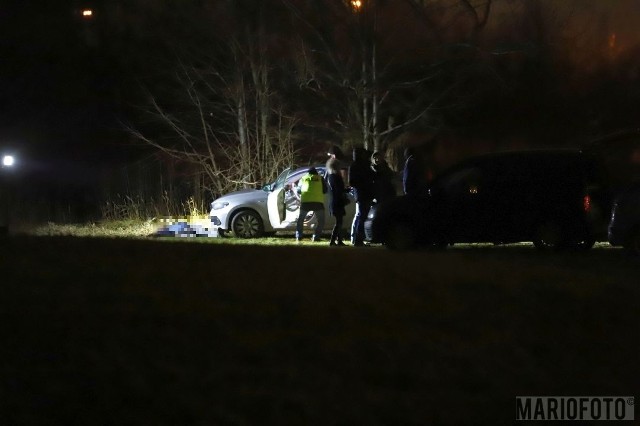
x=283 y=203
x=275 y=206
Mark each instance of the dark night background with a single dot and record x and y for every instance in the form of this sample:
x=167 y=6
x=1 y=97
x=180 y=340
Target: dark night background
x=126 y=331
x=59 y=103
x=59 y=95
x=68 y=84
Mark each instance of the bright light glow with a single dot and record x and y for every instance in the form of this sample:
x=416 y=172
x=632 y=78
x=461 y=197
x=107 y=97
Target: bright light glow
x=357 y=4
x=87 y=13
x=8 y=161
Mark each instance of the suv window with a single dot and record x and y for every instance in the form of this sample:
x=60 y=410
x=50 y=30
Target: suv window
x=463 y=181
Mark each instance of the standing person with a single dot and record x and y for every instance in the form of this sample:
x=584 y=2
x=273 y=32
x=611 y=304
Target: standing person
x=413 y=180
x=312 y=190
x=383 y=188
x=361 y=180
x=337 y=197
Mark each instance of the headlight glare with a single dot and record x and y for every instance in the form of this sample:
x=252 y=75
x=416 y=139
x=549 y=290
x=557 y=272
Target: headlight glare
x=217 y=205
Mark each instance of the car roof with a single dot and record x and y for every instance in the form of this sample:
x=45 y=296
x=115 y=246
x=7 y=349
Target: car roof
x=533 y=154
x=544 y=162
x=619 y=153
x=533 y=157
x=306 y=168
x=614 y=140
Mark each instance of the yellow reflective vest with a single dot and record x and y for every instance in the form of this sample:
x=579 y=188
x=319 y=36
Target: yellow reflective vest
x=311 y=189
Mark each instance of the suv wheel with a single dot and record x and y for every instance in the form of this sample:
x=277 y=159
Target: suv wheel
x=439 y=245
x=247 y=224
x=400 y=236
x=584 y=244
x=548 y=236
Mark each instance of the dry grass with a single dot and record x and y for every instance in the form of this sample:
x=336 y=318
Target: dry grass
x=146 y=229
x=120 y=228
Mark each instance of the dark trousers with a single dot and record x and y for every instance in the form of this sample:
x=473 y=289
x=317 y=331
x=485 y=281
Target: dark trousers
x=319 y=212
x=336 y=234
x=357 y=228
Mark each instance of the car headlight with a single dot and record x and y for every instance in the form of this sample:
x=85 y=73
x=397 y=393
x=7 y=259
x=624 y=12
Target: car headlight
x=217 y=205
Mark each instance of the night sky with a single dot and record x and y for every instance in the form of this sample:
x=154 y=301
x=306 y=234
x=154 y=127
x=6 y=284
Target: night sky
x=63 y=93
x=58 y=94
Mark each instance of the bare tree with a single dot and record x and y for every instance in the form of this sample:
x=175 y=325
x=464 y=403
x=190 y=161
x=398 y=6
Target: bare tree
x=361 y=48
x=225 y=118
x=260 y=146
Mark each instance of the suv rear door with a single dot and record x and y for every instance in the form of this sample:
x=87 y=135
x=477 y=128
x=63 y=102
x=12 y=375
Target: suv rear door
x=459 y=204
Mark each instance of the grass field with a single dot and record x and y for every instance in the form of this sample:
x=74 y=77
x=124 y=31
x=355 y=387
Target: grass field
x=139 y=331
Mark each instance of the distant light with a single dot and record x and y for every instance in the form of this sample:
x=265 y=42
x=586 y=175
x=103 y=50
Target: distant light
x=586 y=203
x=87 y=13
x=8 y=161
x=357 y=4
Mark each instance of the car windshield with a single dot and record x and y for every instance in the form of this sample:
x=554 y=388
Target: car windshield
x=279 y=183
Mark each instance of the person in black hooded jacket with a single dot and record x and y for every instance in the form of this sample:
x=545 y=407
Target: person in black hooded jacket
x=413 y=179
x=337 y=199
x=361 y=180
x=383 y=187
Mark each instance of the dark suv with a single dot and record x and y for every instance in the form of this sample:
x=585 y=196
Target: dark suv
x=553 y=198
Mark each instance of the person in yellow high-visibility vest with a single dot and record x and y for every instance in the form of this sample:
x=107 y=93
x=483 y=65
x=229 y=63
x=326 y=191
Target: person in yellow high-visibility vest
x=312 y=189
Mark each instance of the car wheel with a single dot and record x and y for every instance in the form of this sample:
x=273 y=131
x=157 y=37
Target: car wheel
x=548 y=237
x=247 y=224
x=584 y=244
x=400 y=236
x=632 y=243
x=442 y=245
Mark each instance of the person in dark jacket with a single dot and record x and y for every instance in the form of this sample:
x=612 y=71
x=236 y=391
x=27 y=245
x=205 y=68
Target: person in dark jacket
x=337 y=199
x=383 y=188
x=361 y=180
x=413 y=179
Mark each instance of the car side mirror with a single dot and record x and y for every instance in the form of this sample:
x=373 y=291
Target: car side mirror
x=267 y=188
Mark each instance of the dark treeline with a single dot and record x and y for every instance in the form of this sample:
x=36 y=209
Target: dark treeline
x=238 y=89
x=495 y=70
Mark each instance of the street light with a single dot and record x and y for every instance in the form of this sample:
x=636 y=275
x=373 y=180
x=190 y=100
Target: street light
x=8 y=161
x=356 y=4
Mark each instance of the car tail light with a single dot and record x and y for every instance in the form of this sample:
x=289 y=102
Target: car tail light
x=586 y=203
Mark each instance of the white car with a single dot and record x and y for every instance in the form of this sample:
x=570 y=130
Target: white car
x=252 y=213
